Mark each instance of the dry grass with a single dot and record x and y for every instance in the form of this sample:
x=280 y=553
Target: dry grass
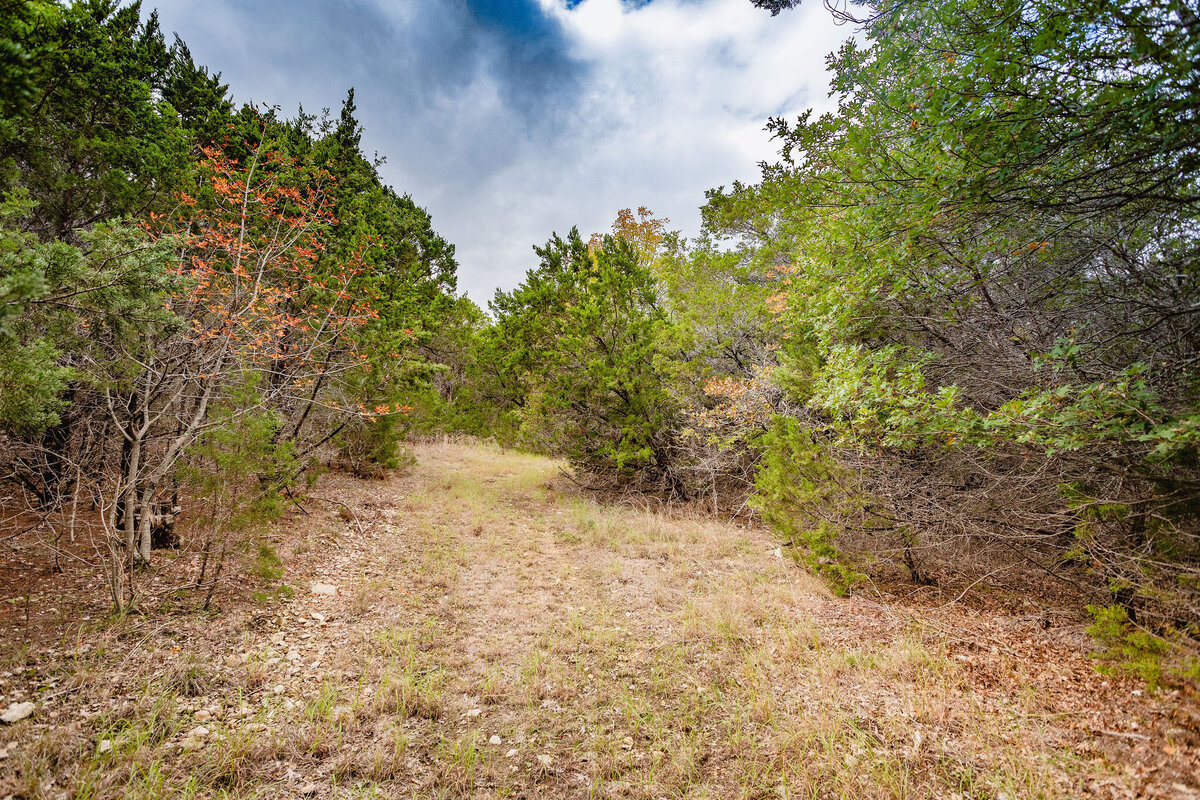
x=498 y=635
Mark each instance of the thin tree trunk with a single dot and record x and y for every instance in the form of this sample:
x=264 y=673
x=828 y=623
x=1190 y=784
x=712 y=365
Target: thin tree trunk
x=216 y=573
x=145 y=523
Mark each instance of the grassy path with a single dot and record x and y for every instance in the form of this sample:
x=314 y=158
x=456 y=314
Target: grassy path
x=478 y=629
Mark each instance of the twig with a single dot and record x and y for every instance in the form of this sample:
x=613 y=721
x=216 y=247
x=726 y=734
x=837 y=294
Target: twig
x=1139 y=736
x=353 y=515
x=296 y=502
x=973 y=584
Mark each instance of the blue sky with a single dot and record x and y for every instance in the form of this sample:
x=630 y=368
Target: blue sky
x=512 y=119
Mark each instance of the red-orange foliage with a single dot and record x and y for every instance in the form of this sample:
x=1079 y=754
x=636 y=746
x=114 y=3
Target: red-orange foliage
x=256 y=288
x=744 y=402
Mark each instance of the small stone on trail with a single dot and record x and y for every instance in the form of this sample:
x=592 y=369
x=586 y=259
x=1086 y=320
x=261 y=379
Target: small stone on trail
x=318 y=616
x=474 y=712
x=511 y=753
x=327 y=589
x=105 y=746
x=203 y=715
x=494 y=741
x=17 y=712
x=278 y=689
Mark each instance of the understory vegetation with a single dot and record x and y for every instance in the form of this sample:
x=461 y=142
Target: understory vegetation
x=200 y=304
x=950 y=339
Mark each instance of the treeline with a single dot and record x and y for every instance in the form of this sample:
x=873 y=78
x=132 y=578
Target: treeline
x=199 y=302
x=952 y=336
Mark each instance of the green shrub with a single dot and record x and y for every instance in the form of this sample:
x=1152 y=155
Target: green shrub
x=581 y=349
x=267 y=564
x=1124 y=648
x=369 y=446
x=797 y=485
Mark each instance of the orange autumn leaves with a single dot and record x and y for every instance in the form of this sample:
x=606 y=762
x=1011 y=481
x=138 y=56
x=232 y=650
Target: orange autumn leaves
x=742 y=403
x=777 y=303
x=256 y=284
x=641 y=229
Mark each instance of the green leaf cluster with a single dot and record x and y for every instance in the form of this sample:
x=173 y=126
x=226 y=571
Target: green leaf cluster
x=581 y=349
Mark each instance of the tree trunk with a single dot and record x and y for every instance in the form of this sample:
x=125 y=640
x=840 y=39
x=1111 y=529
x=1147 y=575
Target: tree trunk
x=146 y=516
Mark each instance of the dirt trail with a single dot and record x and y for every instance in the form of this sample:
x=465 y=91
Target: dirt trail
x=479 y=629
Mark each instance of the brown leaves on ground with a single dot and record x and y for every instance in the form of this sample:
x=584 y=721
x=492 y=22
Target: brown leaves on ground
x=479 y=629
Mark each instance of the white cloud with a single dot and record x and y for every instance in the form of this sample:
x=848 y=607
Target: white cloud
x=648 y=105
x=674 y=104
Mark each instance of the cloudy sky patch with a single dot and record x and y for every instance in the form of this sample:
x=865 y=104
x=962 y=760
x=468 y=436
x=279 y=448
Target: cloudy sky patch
x=512 y=119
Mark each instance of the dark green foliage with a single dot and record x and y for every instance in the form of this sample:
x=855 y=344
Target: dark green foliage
x=581 y=344
x=31 y=383
x=775 y=6
x=92 y=141
x=16 y=85
x=369 y=447
x=197 y=96
x=31 y=379
x=348 y=134
x=799 y=491
x=58 y=300
x=463 y=391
